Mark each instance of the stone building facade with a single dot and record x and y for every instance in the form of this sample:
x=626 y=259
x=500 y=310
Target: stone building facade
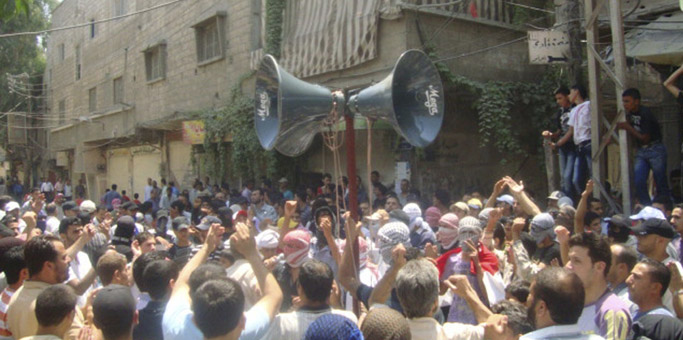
x=120 y=90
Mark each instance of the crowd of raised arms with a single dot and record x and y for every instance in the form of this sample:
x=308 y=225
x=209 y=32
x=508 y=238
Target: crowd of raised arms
x=267 y=262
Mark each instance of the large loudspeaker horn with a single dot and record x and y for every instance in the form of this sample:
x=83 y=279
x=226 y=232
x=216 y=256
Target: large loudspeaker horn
x=410 y=98
x=287 y=111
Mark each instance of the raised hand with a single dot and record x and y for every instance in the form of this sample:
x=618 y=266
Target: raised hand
x=353 y=228
x=470 y=251
x=89 y=231
x=515 y=188
x=326 y=226
x=495 y=214
x=30 y=218
x=431 y=251
x=459 y=284
x=589 y=189
x=135 y=247
x=517 y=227
x=499 y=186
x=213 y=238
x=290 y=208
x=562 y=234
x=243 y=241
x=676 y=283
x=398 y=254
x=494 y=328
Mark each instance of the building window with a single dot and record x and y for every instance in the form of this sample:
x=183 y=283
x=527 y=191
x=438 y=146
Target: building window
x=61 y=52
x=78 y=62
x=62 y=111
x=93 y=30
x=118 y=90
x=119 y=7
x=92 y=100
x=209 y=35
x=155 y=62
x=257 y=24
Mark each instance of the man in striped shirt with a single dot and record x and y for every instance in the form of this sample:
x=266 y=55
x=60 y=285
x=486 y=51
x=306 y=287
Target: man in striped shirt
x=15 y=270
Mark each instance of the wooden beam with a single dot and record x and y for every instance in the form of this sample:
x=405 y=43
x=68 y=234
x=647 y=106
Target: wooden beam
x=615 y=207
x=604 y=142
x=594 y=90
x=619 y=53
x=595 y=14
x=550 y=169
x=604 y=66
x=609 y=127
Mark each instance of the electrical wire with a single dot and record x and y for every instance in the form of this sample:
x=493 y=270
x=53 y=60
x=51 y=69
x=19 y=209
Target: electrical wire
x=530 y=7
x=18 y=34
x=481 y=50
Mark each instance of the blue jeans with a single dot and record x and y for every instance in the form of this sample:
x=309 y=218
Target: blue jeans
x=650 y=158
x=583 y=166
x=567 y=158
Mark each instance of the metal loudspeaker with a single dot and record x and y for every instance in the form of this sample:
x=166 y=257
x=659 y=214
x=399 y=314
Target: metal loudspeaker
x=288 y=111
x=410 y=98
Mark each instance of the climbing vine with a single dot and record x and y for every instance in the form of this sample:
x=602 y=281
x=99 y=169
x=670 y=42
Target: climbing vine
x=502 y=106
x=275 y=10
x=236 y=120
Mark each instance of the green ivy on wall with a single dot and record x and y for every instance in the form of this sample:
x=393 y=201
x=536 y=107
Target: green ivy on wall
x=275 y=10
x=247 y=158
x=501 y=106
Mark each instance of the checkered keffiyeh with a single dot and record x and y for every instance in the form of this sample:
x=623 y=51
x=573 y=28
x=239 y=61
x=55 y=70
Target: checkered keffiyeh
x=391 y=235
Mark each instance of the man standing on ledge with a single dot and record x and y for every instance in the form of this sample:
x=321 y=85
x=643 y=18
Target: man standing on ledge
x=642 y=125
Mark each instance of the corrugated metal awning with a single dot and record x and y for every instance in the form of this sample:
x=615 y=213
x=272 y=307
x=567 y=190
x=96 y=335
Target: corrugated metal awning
x=659 y=42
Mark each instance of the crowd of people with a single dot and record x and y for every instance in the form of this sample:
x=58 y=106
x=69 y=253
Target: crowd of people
x=269 y=262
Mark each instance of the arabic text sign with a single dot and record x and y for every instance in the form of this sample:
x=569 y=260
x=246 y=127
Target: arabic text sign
x=193 y=132
x=548 y=47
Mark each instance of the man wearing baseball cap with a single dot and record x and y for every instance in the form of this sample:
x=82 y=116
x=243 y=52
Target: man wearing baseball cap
x=181 y=251
x=648 y=213
x=553 y=199
x=654 y=235
x=70 y=208
x=506 y=202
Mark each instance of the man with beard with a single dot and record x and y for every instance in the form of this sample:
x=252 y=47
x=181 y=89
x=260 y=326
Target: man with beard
x=553 y=310
x=262 y=210
x=603 y=313
x=82 y=274
x=48 y=264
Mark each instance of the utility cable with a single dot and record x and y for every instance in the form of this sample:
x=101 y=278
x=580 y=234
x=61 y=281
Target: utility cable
x=19 y=34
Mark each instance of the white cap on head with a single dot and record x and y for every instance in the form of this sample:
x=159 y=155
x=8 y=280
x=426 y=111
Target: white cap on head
x=88 y=206
x=11 y=206
x=648 y=213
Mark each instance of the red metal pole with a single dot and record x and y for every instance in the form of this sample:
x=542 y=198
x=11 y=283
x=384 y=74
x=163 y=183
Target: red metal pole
x=350 y=138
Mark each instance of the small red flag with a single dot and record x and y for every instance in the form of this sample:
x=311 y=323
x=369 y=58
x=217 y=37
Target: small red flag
x=473 y=9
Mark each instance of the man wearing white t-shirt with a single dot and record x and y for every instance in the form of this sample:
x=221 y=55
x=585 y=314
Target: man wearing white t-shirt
x=82 y=275
x=52 y=222
x=580 y=131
